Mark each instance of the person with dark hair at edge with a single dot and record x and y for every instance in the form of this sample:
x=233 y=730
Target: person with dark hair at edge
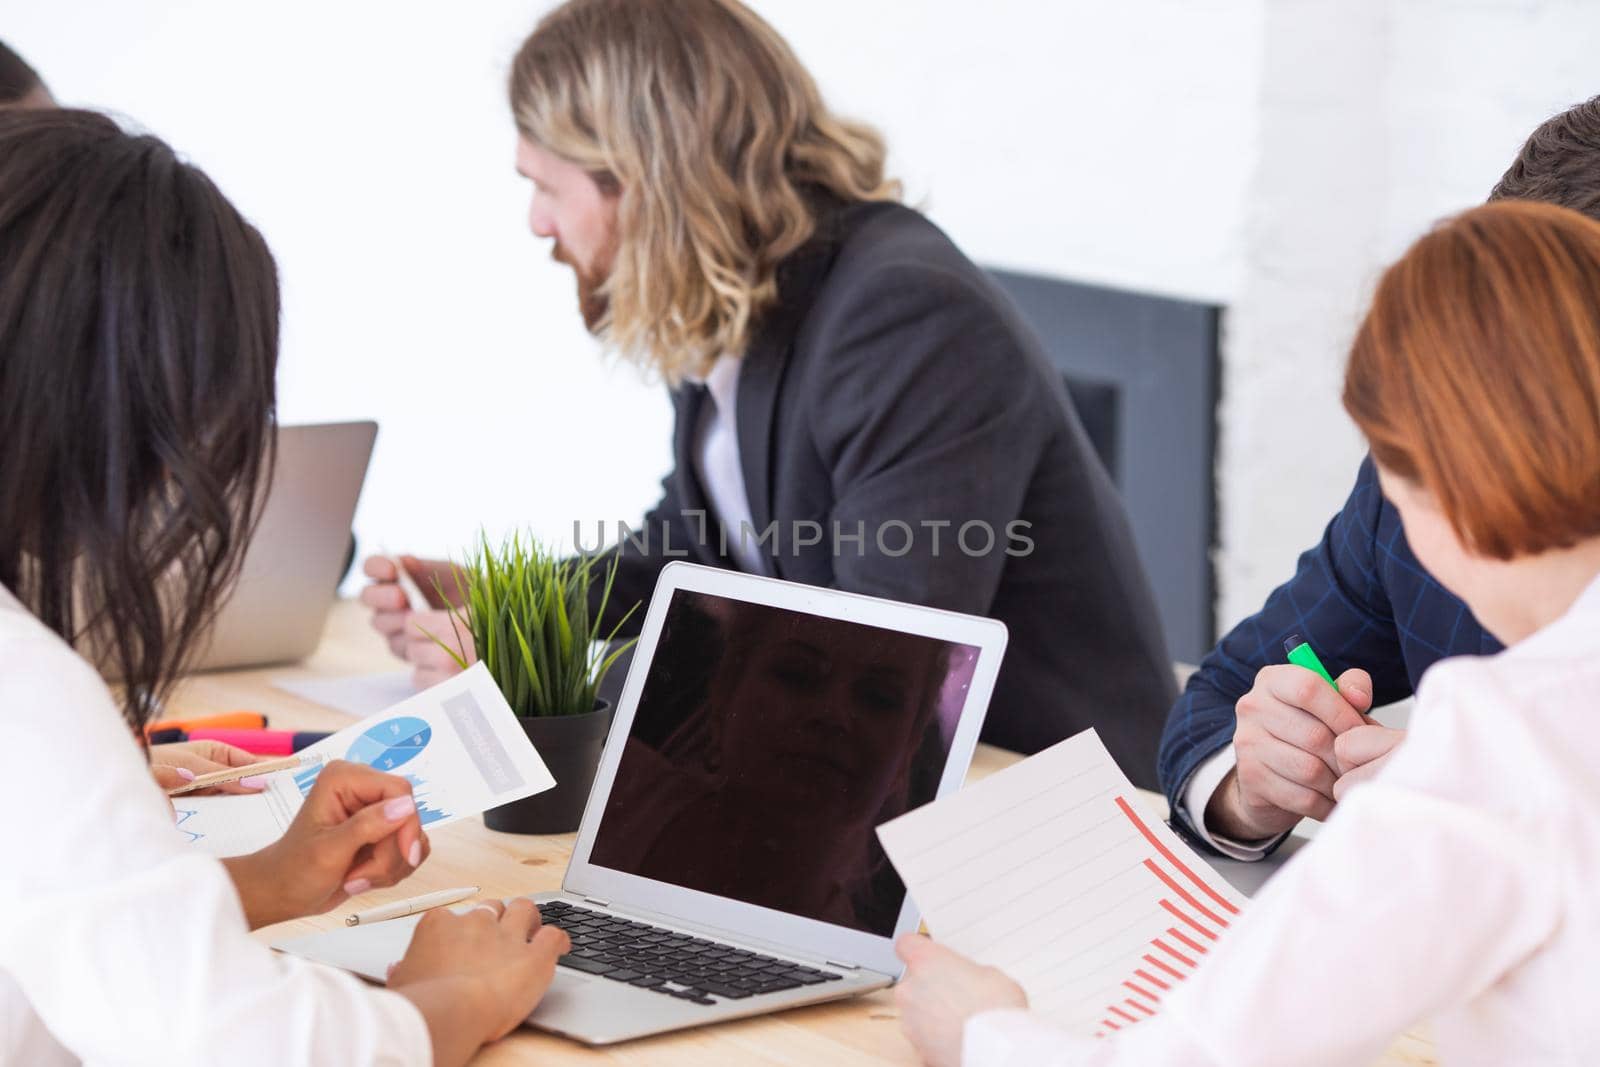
x=138 y=352
x=174 y=762
x=1254 y=744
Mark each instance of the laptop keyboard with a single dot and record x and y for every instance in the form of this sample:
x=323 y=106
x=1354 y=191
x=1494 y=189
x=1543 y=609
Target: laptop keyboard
x=667 y=961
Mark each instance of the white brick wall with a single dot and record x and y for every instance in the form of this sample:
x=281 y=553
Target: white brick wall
x=1376 y=119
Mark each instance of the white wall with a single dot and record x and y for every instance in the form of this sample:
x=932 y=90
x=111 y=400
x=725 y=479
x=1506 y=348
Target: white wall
x=1269 y=154
x=1377 y=118
x=1102 y=142
x=371 y=143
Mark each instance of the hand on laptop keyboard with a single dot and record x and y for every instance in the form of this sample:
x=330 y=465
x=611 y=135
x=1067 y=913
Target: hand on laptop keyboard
x=667 y=961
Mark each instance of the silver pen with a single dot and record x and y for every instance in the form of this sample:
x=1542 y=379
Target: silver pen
x=401 y=908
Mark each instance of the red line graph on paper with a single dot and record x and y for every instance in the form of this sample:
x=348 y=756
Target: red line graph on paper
x=1051 y=871
x=1208 y=919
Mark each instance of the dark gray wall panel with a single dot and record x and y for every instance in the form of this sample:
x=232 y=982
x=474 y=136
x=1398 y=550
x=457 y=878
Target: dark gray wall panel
x=1143 y=372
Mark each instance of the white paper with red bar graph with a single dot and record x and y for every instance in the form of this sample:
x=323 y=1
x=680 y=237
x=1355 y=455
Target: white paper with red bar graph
x=1052 y=871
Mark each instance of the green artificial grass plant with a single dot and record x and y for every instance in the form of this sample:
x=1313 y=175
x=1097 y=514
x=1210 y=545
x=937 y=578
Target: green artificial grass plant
x=528 y=612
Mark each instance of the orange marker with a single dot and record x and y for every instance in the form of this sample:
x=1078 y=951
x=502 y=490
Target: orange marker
x=233 y=720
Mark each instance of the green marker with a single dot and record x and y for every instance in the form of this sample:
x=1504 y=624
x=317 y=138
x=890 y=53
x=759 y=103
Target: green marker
x=1300 y=654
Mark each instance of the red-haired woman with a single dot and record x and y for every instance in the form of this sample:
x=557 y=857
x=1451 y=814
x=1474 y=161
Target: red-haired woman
x=1460 y=883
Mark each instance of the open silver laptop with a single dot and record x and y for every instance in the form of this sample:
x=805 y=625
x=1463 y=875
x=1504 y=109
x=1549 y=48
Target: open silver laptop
x=727 y=863
x=292 y=568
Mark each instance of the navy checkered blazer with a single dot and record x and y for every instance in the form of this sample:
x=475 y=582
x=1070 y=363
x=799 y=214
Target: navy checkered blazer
x=1362 y=600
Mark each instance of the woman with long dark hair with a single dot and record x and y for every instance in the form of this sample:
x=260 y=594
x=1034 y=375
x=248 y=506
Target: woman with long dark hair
x=175 y=762
x=138 y=346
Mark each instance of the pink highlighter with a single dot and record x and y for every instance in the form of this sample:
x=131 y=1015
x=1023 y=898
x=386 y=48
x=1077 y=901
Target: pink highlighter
x=261 y=742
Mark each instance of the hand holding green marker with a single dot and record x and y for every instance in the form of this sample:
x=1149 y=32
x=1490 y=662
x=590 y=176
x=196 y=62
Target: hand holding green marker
x=1300 y=654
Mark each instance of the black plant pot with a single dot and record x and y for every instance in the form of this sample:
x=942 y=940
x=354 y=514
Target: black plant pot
x=570 y=746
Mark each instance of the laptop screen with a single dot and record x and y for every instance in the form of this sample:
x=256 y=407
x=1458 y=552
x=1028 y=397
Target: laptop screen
x=768 y=744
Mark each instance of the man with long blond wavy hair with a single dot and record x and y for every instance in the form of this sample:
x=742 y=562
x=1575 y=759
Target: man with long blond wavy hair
x=857 y=406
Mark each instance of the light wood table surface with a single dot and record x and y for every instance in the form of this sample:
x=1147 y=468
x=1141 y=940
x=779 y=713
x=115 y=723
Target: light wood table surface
x=864 y=1030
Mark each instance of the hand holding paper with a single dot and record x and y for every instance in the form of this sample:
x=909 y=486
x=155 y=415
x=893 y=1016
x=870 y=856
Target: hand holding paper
x=941 y=990
x=1049 y=871
x=457 y=744
x=177 y=763
x=357 y=830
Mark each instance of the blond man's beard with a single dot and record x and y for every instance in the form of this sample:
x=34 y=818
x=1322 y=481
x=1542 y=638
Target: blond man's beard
x=592 y=301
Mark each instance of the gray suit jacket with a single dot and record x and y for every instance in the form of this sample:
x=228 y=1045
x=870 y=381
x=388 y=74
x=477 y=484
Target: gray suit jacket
x=893 y=389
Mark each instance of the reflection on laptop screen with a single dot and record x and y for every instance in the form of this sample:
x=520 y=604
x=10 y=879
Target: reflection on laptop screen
x=768 y=744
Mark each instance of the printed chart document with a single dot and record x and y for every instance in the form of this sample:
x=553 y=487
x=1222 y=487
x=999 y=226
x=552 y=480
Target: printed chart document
x=458 y=744
x=1050 y=871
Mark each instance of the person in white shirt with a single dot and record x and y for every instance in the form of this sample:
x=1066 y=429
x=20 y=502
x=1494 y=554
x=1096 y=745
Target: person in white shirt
x=1458 y=884
x=138 y=346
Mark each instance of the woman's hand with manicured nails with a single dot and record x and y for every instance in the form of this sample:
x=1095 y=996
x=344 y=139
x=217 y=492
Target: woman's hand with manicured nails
x=940 y=991
x=411 y=629
x=181 y=762
x=357 y=830
x=1284 y=742
x=476 y=976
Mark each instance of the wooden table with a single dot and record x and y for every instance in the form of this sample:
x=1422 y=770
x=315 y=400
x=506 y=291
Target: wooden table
x=863 y=1030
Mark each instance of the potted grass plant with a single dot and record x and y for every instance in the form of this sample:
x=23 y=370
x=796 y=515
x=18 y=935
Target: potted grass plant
x=527 y=609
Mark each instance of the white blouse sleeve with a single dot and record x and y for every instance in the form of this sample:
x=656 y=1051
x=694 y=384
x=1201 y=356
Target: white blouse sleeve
x=1412 y=899
x=128 y=944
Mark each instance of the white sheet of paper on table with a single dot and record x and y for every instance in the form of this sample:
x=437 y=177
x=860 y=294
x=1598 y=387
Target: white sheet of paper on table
x=1050 y=871
x=361 y=694
x=458 y=744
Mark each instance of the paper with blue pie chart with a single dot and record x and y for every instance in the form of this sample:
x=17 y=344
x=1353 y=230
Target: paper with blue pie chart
x=458 y=744
x=388 y=746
